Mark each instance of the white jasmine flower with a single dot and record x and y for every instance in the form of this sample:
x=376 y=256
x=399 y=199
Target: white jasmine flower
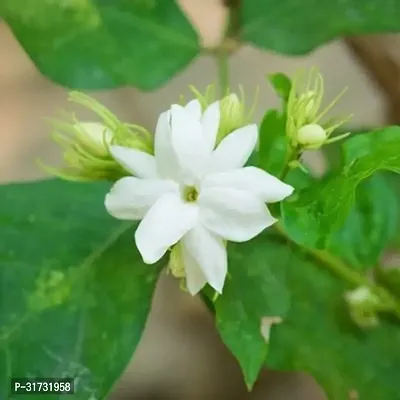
x=192 y=193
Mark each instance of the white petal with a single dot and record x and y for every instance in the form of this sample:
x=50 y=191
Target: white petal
x=210 y=122
x=195 y=279
x=130 y=198
x=209 y=254
x=234 y=150
x=164 y=225
x=266 y=186
x=137 y=162
x=235 y=215
x=167 y=163
x=189 y=144
x=194 y=108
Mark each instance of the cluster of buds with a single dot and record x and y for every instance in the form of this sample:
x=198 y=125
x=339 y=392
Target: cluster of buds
x=86 y=144
x=304 y=127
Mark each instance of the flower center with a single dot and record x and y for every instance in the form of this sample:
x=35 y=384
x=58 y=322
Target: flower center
x=190 y=194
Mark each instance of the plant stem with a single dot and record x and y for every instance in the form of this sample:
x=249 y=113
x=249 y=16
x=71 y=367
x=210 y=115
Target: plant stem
x=231 y=36
x=223 y=72
x=291 y=156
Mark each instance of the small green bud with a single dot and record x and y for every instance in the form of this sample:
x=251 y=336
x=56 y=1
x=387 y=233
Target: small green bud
x=309 y=100
x=363 y=307
x=176 y=266
x=95 y=136
x=86 y=144
x=303 y=111
x=311 y=136
x=234 y=113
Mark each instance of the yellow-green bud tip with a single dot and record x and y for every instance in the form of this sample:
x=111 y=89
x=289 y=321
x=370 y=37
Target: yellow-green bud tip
x=311 y=136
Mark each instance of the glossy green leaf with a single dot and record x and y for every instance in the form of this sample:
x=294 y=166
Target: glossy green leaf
x=255 y=288
x=389 y=277
x=273 y=148
x=322 y=208
x=95 y=44
x=74 y=291
x=370 y=226
x=318 y=337
x=297 y=27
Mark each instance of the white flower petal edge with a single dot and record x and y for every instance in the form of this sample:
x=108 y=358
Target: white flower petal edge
x=130 y=198
x=195 y=278
x=208 y=253
x=236 y=215
x=189 y=144
x=210 y=124
x=136 y=162
x=163 y=226
x=234 y=150
x=254 y=180
x=166 y=160
x=194 y=108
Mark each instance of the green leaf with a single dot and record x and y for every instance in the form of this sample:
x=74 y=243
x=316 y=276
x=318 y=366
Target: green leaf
x=370 y=226
x=318 y=337
x=281 y=84
x=322 y=208
x=255 y=288
x=75 y=294
x=297 y=27
x=273 y=150
x=389 y=277
x=96 y=44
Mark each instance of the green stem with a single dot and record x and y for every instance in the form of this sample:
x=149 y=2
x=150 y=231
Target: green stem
x=223 y=72
x=231 y=36
x=291 y=156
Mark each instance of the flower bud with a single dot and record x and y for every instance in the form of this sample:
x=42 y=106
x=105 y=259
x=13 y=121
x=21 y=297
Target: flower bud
x=86 y=144
x=309 y=100
x=311 y=136
x=363 y=307
x=94 y=136
x=234 y=114
x=303 y=112
x=176 y=266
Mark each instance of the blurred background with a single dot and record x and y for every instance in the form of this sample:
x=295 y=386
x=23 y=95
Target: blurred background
x=180 y=355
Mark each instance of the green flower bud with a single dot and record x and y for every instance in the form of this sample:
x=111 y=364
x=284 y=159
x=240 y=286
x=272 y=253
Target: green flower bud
x=311 y=136
x=95 y=136
x=176 y=266
x=86 y=144
x=363 y=307
x=234 y=113
x=304 y=111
